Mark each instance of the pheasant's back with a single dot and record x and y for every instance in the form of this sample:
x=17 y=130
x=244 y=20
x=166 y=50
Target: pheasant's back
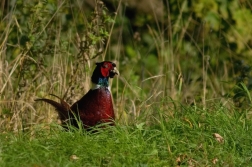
x=95 y=107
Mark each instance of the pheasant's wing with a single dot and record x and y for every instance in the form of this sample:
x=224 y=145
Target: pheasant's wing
x=94 y=107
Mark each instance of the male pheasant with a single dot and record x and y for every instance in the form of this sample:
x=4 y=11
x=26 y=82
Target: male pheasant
x=94 y=107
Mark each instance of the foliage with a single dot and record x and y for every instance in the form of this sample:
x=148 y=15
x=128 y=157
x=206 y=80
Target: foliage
x=187 y=138
x=198 y=43
x=197 y=54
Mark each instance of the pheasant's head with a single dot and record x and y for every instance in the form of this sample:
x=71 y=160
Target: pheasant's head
x=103 y=71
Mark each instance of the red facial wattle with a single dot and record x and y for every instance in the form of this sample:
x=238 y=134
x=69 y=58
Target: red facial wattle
x=105 y=68
x=108 y=69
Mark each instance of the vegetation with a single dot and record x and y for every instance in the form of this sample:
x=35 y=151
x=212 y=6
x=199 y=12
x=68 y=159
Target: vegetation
x=186 y=139
x=185 y=79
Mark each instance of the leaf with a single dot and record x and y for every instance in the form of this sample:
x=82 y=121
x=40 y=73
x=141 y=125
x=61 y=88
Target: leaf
x=218 y=137
x=215 y=160
x=74 y=157
x=140 y=126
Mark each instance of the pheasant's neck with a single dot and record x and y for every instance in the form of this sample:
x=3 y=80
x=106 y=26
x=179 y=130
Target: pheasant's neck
x=96 y=86
x=102 y=83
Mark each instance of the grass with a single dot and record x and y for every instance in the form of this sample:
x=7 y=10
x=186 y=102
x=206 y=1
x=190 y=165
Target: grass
x=185 y=139
x=42 y=54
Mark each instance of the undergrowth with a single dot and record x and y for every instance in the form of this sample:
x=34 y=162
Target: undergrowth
x=183 y=97
x=189 y=138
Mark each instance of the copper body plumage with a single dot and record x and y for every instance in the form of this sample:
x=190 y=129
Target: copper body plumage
x=95 y=106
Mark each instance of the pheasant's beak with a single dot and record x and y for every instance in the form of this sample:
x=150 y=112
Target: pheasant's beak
x=113 y=72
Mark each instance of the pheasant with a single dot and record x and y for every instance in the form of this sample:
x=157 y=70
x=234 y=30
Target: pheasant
x=93 y=108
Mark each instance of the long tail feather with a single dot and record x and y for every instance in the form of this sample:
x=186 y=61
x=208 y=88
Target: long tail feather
x=62 y=108
x=63 y=103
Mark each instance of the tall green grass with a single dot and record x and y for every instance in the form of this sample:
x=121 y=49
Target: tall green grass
x=184 y=139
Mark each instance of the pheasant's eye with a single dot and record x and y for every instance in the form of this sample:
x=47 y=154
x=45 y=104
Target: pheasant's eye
x=105 y=65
